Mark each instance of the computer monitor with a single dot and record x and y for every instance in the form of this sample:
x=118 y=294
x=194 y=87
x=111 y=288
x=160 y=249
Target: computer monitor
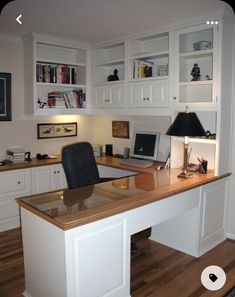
x=145 y=145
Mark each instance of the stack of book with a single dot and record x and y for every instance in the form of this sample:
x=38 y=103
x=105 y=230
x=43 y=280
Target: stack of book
x=50 y=73
x=69 y=99
x=56 y=99
x=16 y=154
x=141 y=69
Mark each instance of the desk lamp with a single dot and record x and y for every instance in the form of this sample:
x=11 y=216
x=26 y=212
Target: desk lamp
x=186 y=124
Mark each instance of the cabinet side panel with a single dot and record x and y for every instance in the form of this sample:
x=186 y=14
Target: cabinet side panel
x=44 y=257
x=98 y=260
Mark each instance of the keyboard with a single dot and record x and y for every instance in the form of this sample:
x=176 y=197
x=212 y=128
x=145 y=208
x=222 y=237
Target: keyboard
x=137 y=163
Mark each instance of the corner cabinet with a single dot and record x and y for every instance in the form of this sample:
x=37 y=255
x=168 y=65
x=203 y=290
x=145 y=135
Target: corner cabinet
x=196 y=66
x=55 y=75
x=109 y=75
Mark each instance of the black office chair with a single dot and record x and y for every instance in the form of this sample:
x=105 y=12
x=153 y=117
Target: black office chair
x=81 y=169
x=80 y=165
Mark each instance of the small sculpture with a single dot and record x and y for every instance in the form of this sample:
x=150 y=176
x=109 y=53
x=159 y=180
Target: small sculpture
x=148 y=71
x=113 y=76
x=195 y=72
x=41 y=103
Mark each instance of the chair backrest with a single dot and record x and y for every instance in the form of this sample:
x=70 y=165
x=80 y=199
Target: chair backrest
x=79 y=165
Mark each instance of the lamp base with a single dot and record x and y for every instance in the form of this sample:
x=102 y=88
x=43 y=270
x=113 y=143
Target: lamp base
x=185 y=175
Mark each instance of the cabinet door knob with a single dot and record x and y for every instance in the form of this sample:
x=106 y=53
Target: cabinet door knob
x=19 y=182
x=58 y=171
x=174 y=98
x=54 y=172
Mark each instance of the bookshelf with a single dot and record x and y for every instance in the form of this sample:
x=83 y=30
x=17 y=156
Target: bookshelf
x=58 y=71
x=149 y=57
x=109 y=90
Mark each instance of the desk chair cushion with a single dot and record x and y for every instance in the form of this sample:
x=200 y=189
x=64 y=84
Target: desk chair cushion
x=80 y=165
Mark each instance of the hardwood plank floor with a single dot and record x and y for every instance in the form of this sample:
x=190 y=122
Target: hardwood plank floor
x=156 y=270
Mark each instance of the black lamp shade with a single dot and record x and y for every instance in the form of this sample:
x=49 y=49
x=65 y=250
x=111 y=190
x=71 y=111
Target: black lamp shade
x=186 y=124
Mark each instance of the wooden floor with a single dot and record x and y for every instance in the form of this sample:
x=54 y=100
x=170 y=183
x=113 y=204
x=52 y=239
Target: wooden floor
x=156 y=269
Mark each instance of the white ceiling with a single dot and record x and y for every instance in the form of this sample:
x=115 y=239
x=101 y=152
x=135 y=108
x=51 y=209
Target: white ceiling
x=99 y=20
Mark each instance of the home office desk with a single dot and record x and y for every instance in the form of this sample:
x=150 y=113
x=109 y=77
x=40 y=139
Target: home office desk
x=77 y=242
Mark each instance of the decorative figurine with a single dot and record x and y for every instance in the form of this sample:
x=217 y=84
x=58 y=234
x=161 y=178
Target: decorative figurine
x=113 y=76
x=41 y=103
x=195 y=72
x=148 y=71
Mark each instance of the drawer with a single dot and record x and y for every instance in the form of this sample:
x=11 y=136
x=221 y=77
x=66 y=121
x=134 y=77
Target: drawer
x=15 y=183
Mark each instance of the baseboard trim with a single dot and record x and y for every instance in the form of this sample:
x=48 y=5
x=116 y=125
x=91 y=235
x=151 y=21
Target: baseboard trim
x=26 y=294
x=230 y=236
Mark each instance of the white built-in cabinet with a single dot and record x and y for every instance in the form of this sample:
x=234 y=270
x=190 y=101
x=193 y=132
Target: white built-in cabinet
x=56 y=75
x=23 y=182
x=196 y=45
x=48 y=178
x=13 y=184
x=203 y=227
x=148 y=94
x=143 y=73
x=148 y=69
x=110 y=96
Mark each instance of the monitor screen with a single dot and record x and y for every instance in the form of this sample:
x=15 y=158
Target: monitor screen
x=145 y=145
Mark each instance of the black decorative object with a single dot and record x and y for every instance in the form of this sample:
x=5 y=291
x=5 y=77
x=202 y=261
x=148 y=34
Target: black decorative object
x=41 y=103
x=195 y=72
x=114 y=76
x=148 y=71
x=5 y=96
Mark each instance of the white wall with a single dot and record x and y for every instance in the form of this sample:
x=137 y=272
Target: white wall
x=23 y=130
x=103 y=131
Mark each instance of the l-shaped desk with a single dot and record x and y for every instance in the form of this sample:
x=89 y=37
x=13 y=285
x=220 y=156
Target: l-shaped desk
x=77 y=242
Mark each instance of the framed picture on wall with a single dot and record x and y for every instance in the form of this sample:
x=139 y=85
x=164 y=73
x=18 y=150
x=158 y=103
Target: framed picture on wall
x=120 y=129
x=55 y=130
x=5 y=96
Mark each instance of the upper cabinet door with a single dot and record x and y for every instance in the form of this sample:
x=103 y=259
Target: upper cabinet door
x=110 y=96
x=148 y=94
x=195 y=66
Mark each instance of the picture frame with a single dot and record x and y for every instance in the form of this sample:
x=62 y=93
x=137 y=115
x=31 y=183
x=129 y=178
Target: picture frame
x=56 y=130
x=5 y=96
x=120 y=129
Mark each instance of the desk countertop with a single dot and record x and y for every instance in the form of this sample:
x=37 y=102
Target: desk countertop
x=72 y=208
